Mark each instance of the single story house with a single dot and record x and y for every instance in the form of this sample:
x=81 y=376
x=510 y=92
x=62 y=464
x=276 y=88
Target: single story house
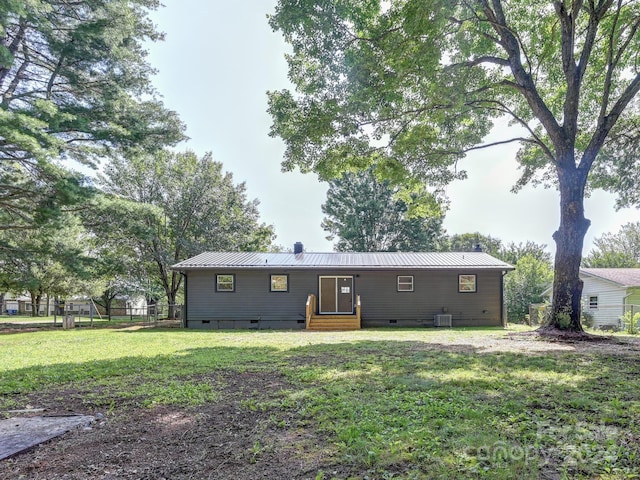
x=342 y=290
x=608 y=293
x=21 y=305
x=82 y=306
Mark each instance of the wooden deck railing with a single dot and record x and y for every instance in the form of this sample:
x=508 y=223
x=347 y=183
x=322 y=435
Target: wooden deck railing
x=311 y=317
x=310 y=308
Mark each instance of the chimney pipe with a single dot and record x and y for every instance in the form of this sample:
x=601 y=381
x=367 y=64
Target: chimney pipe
x=298 y=248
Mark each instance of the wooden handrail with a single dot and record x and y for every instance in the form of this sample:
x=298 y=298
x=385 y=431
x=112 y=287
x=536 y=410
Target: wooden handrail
x=310 y=308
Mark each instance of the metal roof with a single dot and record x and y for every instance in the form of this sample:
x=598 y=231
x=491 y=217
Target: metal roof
x=373 y=260
x=626 y=277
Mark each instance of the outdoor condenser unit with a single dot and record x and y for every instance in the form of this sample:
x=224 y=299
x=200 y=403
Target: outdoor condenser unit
x=442 y=320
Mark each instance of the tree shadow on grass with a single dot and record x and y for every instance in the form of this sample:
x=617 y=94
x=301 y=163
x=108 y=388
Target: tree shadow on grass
x=360 y=408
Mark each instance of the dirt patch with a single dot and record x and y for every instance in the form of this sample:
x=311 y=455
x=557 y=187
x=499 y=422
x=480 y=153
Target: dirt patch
x=229 y=439
x=583 y=342
x=237 y=437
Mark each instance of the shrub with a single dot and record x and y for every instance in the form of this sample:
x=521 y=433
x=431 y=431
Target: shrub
x=587 y=319
x=630 y=322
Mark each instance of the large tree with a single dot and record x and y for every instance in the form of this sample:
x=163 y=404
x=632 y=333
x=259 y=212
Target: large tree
x=49 y=261
x=616 y=250
x=74 y=86
x=418 y=83
x=183 y=205
x=365 y=214
x=116 y=226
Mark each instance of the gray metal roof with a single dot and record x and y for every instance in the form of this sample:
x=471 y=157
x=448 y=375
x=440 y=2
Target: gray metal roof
x=377 y=260
x=626 y=277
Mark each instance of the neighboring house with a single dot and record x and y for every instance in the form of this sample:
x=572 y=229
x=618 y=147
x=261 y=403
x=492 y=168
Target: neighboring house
x=342 y=290
x=609 y=292
x=81 y=306
x=21 y=305
x=120 y=305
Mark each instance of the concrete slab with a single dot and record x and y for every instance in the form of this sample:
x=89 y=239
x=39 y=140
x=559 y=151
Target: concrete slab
x=18 y=434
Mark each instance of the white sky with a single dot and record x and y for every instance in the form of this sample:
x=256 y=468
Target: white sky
x=214 y=68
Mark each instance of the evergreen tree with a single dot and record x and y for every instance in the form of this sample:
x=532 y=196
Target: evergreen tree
x=367 y=215
x=74 y=87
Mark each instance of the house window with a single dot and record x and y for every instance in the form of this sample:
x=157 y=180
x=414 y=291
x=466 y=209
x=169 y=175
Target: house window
x=405 y=283
x=279 y=283
x=593 y=302
x=225 y=282
x=466 y=283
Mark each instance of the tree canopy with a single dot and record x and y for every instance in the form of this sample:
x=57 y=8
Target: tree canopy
x=180 y=205
x=413 y=85
x=48 y=261
x=616 y=250
x=469 y=242
x=525 y=285
x=74 y=87
x=367 y=215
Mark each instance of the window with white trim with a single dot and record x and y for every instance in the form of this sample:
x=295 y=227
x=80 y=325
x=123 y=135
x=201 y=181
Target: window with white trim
x=593 y=302
x=405 y=283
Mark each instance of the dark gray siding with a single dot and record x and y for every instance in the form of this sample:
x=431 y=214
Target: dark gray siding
x=434 y=292
x=253 y=305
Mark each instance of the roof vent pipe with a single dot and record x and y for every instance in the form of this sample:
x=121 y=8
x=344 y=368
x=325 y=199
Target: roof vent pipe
x=297 y=248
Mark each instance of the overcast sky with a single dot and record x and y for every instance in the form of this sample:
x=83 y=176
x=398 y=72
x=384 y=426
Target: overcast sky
x=214 y=68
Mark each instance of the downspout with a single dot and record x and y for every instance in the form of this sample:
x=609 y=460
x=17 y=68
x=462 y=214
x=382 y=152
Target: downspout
x=503 y=319
x=185 y=317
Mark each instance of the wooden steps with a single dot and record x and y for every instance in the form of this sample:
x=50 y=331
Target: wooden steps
x=331 y=322
x=334 y=322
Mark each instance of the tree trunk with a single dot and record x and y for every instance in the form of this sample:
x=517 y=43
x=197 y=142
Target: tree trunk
x=172 y=294
x=36 y=306
x=171 y=313
x=569 y=238
x=33 y=303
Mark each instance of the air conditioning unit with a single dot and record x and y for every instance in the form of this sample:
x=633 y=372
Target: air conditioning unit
x=442 y=320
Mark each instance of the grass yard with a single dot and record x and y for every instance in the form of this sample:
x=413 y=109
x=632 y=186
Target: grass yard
x=372 y=404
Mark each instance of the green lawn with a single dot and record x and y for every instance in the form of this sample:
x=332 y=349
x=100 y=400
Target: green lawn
x=395 y=403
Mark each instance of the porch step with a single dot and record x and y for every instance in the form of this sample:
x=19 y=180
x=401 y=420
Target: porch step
x=334 y=322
